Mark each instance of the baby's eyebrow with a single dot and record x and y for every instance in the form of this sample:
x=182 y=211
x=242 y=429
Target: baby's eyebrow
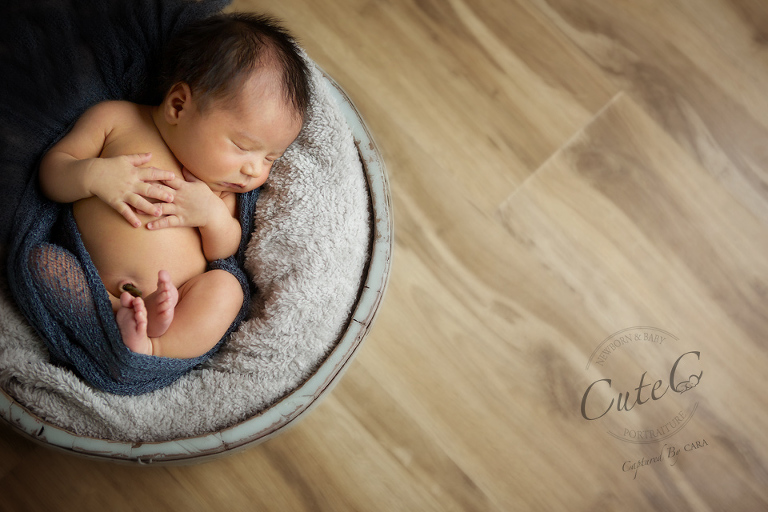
x=248 y=137
x=257 y=143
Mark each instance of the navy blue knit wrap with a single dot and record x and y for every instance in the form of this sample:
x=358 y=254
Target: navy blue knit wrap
x=57 y=59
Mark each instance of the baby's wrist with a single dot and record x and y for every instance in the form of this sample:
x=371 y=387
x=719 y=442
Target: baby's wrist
x=91 y=176
x=218 y=214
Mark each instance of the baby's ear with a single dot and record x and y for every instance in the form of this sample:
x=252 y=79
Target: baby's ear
x=177 y=102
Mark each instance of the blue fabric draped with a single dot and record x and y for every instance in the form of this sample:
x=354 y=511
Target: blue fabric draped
x=57 y=59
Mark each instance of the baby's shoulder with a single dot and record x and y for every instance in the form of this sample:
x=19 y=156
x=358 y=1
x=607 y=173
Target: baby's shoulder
x=113 y=111
x=111 y=114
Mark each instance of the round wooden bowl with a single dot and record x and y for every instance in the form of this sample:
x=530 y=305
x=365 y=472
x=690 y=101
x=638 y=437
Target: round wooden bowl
x=290 y=408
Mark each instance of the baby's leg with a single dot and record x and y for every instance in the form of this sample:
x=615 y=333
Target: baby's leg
x=132 y=321
x=160 y=305
x=208 y=304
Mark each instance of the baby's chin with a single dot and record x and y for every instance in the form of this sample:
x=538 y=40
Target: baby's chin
x=231 y=187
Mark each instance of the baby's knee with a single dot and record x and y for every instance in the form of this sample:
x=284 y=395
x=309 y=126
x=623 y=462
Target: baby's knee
x=224 y=286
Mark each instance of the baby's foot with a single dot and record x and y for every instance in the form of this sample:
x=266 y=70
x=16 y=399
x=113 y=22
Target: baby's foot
x=132 y=321
x=161 y=305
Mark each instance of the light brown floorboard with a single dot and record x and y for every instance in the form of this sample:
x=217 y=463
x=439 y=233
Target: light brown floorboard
x=699 y=68
x=645 y=237
x=486 y=104
x=560 y=171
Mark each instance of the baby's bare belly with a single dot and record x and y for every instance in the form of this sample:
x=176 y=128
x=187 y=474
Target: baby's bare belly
x=123 y=253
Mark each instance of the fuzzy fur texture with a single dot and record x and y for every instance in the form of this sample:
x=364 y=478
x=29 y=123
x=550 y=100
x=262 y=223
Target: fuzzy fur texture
x=306 y=257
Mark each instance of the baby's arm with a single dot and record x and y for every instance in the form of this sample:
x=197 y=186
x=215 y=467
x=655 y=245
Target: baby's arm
x=221 y=236
x=195 y=205
x=72 y=169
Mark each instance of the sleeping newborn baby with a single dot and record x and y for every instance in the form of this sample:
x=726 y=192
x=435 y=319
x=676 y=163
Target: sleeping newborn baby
x=154 y=187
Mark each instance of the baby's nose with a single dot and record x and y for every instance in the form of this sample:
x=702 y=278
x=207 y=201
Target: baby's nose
x=252 y=169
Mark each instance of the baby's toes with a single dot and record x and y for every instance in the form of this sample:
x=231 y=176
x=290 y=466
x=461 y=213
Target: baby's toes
x=126 y=300
x=139 y=313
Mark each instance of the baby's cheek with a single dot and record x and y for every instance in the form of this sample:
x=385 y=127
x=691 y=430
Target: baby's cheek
x=227 y=164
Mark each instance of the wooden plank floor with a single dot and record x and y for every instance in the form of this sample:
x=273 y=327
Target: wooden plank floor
x=580 y=194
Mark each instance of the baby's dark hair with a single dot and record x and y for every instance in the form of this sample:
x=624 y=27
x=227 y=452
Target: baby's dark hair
x=216 y=55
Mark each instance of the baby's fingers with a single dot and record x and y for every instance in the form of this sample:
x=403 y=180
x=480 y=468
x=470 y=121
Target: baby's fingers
x=138 y=159
x=169 y=221
x=157 y=191
x=143 y=205
x=127 y=213
x=155 y=174
x=175 y=183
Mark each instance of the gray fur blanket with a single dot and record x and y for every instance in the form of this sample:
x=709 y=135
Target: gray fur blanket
x=306 y=258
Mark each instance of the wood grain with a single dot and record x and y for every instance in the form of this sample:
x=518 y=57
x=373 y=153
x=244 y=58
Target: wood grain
x=560 y=171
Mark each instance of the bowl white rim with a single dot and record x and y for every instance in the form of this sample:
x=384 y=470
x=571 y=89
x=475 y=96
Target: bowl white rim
x=293 y=406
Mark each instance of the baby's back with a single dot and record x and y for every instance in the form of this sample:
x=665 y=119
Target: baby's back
x=119 y=251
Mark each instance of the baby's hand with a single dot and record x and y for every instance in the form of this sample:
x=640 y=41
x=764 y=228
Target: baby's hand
x=193 y=204
x=123 y=185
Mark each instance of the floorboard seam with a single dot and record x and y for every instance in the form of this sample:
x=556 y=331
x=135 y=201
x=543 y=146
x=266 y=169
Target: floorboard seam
x=614 y=99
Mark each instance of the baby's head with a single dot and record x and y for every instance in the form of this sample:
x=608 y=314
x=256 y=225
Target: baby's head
x=236 y=92
x=215 y=57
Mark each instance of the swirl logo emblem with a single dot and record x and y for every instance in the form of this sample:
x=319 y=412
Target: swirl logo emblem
x=644 y=385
